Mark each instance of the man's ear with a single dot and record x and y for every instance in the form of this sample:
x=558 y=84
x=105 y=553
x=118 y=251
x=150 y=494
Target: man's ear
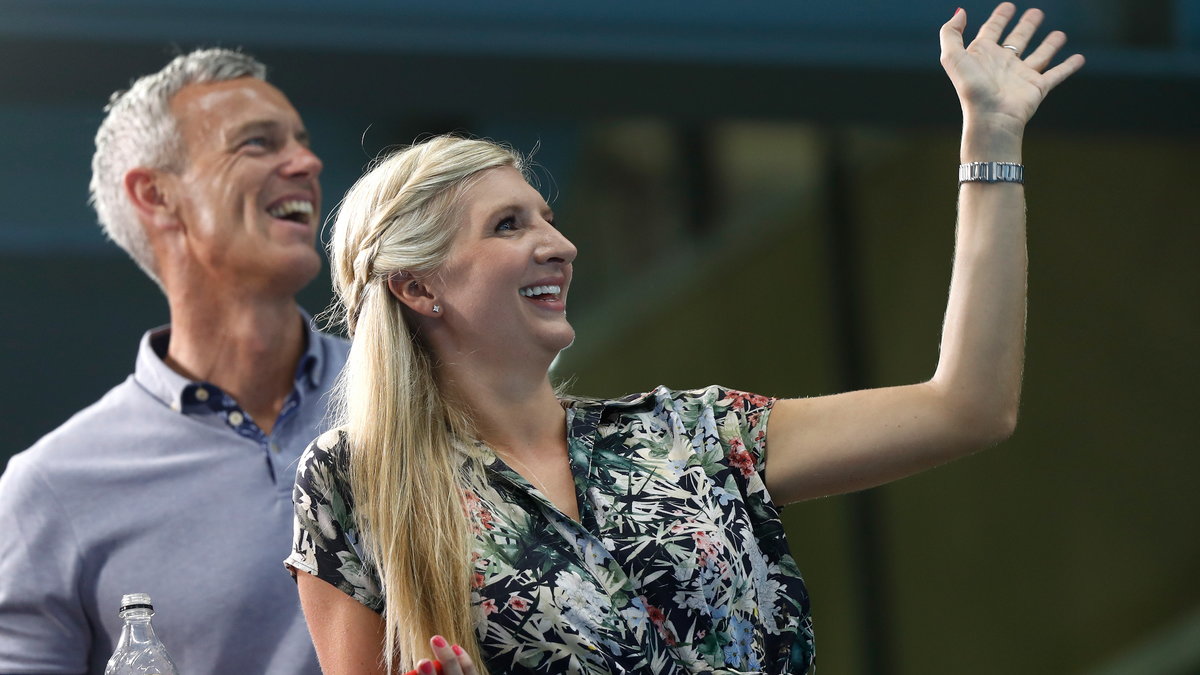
x=146 y=189
x=413 y=293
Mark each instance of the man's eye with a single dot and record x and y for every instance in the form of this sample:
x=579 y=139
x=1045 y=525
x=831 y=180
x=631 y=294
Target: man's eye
x=256 y=141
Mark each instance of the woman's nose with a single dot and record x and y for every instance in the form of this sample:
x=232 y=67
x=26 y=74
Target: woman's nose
x=556 y=247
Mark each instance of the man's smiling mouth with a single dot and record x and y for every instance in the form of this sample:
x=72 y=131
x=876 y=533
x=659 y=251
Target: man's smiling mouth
x=295 y=210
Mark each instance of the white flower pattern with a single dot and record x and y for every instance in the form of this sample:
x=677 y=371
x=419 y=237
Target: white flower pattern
x=679 y=563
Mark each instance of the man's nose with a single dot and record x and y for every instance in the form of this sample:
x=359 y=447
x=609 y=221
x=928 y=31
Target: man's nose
x=303 y=161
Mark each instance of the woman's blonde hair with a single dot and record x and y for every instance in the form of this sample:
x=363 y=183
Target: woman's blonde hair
x=405 y=434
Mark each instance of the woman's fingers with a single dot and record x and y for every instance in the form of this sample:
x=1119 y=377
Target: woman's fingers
x=1020 y=35
x=1062 y=71
x=991 y=29
x=464 y=660
x=985 y=66
x=951 y=35
x=445 y=656
x=1040 y=58
x=454 y=659
x=426 y=667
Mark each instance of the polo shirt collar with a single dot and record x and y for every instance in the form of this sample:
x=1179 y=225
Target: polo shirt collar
x=311 y=366
x=161 y=381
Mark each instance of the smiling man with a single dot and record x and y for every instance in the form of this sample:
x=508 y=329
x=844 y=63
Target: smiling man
x=178 y=481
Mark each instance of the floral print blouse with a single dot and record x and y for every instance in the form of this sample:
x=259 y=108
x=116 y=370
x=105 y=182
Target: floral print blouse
x=679 y=563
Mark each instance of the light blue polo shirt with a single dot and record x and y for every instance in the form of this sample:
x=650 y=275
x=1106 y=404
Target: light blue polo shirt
x=164 y=486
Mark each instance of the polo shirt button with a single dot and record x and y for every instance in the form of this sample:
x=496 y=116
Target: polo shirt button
x=236 y=418
x=201 y=394
x=275 y=447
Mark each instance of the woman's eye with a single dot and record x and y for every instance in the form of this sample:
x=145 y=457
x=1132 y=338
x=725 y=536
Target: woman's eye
x=507 y=225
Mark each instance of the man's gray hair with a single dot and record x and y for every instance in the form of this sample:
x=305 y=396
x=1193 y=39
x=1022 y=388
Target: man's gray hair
x=140 y=131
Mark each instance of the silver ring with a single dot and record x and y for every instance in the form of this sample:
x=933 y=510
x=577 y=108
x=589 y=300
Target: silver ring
x=1014 y=49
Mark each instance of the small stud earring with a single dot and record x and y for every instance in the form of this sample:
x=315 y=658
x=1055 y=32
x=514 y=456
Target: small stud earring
x=437 y=309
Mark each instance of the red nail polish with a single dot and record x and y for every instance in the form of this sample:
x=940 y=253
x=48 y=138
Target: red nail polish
x=458 y=651
x=434 y=668
x=956 y=11
x=439 y=641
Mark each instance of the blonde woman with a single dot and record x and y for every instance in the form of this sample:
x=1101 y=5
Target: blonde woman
x=464 y=512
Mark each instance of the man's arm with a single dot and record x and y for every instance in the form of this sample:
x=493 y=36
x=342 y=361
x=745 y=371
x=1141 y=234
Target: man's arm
x=43 y=627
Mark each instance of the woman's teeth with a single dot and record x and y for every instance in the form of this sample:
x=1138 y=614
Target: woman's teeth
x=531 y=291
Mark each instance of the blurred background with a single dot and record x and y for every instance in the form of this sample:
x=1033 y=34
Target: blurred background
x=763 y=196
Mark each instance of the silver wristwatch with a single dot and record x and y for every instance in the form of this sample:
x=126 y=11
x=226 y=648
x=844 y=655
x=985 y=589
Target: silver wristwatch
x=991 y=172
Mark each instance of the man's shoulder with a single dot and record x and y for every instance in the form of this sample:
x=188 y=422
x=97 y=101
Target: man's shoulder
x=114 y=415
x=333 y=339
x=335 y=344
x=333 y=350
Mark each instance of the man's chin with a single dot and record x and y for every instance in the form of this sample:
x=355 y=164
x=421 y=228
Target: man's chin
x=291 y=273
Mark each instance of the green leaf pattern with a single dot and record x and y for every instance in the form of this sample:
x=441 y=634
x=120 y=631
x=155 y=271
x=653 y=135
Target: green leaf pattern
x=678 y=564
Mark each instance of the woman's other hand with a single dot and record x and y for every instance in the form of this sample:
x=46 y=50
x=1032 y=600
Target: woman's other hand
x=451 y=659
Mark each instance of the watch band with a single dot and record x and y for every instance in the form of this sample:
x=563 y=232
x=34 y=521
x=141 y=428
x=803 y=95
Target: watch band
x=991 y=172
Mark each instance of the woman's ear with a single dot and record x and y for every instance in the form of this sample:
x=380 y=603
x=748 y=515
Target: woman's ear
x=413 y=293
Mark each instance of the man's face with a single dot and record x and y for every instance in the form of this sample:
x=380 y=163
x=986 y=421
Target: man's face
x=248 y=196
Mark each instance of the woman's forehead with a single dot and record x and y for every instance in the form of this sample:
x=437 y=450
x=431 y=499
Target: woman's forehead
x=499 y=188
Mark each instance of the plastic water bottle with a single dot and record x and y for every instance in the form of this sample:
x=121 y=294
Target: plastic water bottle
x=139 y=651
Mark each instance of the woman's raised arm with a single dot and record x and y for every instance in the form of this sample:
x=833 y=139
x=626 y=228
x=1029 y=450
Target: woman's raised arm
x=834 y=444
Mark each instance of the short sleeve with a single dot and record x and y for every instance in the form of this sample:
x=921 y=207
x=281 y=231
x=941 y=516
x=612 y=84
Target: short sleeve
x=742 y=419
x=726 y=428
x=43 y=625
x=325 y=539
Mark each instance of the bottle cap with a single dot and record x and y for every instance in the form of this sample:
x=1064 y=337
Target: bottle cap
x=135 y=601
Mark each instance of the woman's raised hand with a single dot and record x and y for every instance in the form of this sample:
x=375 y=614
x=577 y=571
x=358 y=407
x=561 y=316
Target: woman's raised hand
x=1002 y=81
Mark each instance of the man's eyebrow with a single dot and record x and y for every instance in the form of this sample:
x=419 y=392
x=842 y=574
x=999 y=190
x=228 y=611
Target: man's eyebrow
x=269 y=126
x=255 y=126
